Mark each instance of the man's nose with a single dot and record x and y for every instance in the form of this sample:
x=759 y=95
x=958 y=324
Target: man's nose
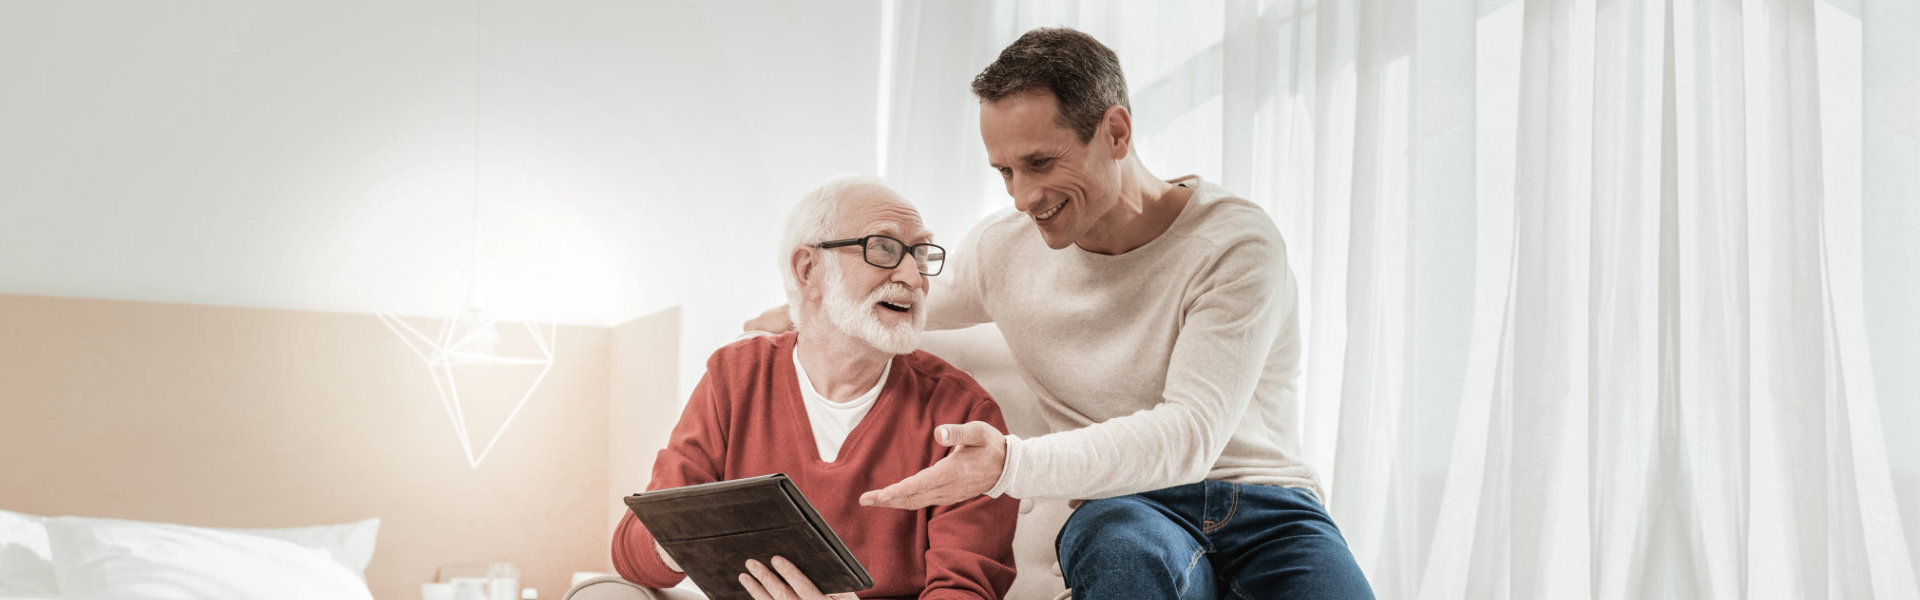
x=907 y=272
x=1026 y=194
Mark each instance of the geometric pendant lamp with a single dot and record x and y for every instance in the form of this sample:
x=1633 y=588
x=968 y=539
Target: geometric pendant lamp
x=467 y=343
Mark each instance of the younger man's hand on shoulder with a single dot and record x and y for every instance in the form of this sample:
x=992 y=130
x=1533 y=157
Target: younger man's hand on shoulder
x=775 y=320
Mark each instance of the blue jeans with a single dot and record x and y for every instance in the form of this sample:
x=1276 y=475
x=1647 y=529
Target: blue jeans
x=1212 y=540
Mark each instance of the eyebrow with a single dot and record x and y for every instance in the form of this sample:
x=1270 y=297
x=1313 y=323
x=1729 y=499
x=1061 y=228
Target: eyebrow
x=922 y=236
x=1030 y=157
x=892 y=230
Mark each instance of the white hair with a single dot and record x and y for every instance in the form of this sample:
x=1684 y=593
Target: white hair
x=812 y=221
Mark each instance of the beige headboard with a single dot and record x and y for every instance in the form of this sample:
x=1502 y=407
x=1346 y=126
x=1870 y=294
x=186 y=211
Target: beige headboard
x=262 y=418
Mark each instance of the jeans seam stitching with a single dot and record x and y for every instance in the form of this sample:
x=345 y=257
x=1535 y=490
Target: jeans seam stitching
x=1187 y=574
x=1235 y=586
x=1233 y=506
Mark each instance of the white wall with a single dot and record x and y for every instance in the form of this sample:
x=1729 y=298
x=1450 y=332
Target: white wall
x=633 y=155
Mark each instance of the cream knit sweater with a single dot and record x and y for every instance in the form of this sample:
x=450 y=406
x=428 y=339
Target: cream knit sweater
x=1169 y=364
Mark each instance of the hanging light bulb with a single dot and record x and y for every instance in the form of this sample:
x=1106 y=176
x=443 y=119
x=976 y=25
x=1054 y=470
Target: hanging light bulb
x=475 y=337
x=474 y=341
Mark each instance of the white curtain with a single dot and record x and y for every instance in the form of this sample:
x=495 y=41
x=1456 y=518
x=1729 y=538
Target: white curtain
x=1594 y=291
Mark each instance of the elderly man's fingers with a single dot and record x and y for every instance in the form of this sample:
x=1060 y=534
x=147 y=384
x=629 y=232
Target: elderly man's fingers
x=753 y=587
x=666 y=558
x=769 y=582
x=802 y=586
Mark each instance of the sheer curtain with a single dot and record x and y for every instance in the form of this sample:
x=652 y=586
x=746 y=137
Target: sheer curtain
x=1594 y=291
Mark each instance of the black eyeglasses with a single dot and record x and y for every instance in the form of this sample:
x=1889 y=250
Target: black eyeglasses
x=886 y=252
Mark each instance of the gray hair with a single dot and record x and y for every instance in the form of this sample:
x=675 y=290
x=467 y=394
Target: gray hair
x=812 y=221
x=1083 y=74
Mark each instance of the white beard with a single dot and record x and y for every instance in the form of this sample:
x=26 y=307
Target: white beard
x=856 y=318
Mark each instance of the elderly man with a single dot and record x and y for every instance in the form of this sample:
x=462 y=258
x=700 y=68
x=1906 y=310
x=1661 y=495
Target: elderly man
x=842 y=405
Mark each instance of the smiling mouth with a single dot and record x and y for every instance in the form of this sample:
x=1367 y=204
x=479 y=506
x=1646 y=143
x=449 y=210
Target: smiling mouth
x=1043 y=216
x=900 y=308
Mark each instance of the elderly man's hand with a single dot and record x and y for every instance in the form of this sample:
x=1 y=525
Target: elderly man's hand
x=783 y=582
x=665 y=558
x=979 y=454
x=775 y=320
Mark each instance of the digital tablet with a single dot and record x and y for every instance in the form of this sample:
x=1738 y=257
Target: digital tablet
x=711 y=529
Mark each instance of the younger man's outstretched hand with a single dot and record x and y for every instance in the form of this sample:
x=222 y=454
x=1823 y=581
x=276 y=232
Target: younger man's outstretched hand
x=970 y=469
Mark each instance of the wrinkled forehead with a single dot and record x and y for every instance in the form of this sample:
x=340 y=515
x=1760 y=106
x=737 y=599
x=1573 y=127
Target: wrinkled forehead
x=880 y=213
x=1023 y=124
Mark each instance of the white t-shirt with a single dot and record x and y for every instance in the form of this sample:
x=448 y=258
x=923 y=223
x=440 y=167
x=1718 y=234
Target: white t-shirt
x=832 y=421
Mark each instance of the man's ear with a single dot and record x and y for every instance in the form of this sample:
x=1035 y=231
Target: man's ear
x=804 y=271
x=1119 y=134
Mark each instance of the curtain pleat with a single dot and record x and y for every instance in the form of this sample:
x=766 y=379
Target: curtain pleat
x=1710 y=170
x=1369 y=454
x=1630 y=291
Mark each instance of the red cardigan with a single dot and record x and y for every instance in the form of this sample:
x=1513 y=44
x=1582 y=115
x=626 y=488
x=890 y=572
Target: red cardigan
x=746 y=418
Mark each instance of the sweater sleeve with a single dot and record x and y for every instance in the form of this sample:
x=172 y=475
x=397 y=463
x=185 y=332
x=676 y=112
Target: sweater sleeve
x=957 y=302
x=1235 y=311
x=970 y=544
x=694 y=454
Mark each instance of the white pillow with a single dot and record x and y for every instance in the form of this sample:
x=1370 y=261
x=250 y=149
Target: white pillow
x=26 y=563
x=154 y=561
x=350 y=544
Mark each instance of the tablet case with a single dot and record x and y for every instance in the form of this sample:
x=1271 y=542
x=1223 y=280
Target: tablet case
x=711 y=529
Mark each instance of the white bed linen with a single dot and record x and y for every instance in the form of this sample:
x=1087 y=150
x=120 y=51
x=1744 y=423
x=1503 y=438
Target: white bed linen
x=110 y=559
x=103 y=558
x=26 y=563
